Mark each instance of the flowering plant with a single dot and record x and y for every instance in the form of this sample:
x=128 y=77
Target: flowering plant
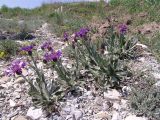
x=44 y=92
x=15 y=68
x=108 y=69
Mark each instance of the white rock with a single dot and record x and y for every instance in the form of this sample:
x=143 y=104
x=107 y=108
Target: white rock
x=105 y=106
x=142 y=45
x=116 y=106
x=67 y=109
x=90 y=112
x=19 y=80
x=157 y=84
x=69 y=66
x=4 y=86
x=40 y=65
x=69 y=117
x=16 y=95
x=112 y=95
x=101 y=115
x=30 y=72
x=4 y=79
x=88 y=93
x=77 y=115
x=48 y=73
x=20 y=118
x=133 y=117
x=43 y=119
x=126 y=90
x=55 y=74
x=106 y=52
x=25 y=72
x=116 y=116
x=124 y=103
x=34 y=113
x=18 y=90
x=142 y=59
x=12 y=103
x=98 y=101
x=9 y=84
x=156 y=75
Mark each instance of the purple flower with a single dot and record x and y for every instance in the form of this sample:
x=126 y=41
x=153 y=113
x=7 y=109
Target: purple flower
x=15 y=68
x=123 y=28
x=81 y=33
x=52 y=56
x=66 y=36
x=27 y=48
x=47 y=45
x=46 y=57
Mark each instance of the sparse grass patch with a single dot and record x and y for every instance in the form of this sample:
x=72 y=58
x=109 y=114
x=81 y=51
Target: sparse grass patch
x=8 y=48
x=145 y=98
x=153 y=43
x=134 y=7
x=73 y=16
x=13 y=26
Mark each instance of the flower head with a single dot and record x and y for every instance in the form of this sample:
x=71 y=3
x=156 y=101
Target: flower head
x=28 y=49
x=123 y=28
x=47 y=45
x=66 y=36
x=15 y=68
x=59 y=53
x=52 y=56
x=82 y=32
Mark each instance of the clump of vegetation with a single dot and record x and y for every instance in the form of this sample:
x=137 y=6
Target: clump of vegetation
x=107 y=69
x=8 y=48
x=62 y=17
x=140 y=12
x=145 y=96
x=44 y=93
x=153 y=43
x=104 y=60
x=134 y=6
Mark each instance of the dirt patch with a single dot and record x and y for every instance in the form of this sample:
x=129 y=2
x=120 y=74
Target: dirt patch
x=149 y=28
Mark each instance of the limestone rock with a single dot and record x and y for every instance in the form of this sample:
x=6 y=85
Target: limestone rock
x=4 y=79
x=133 y=117
x=34 y=113
x=157 y=84
x=112 y=95
x=20 y=118
x=116 y=106
x=156 y=75
x=19 y=80
x=116 y=116
x=12 y=103
x=77 y=115
x=101 y=115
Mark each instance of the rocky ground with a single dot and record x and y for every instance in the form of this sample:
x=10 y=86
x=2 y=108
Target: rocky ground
x=15 y=104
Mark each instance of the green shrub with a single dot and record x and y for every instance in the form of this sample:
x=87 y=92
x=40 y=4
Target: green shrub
x=4 y=9
x=107 y=69
x=145 y=98
x=135 y=6
x=9 y=47
x=57 y=17
x=153 y=43
x=44 y=92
